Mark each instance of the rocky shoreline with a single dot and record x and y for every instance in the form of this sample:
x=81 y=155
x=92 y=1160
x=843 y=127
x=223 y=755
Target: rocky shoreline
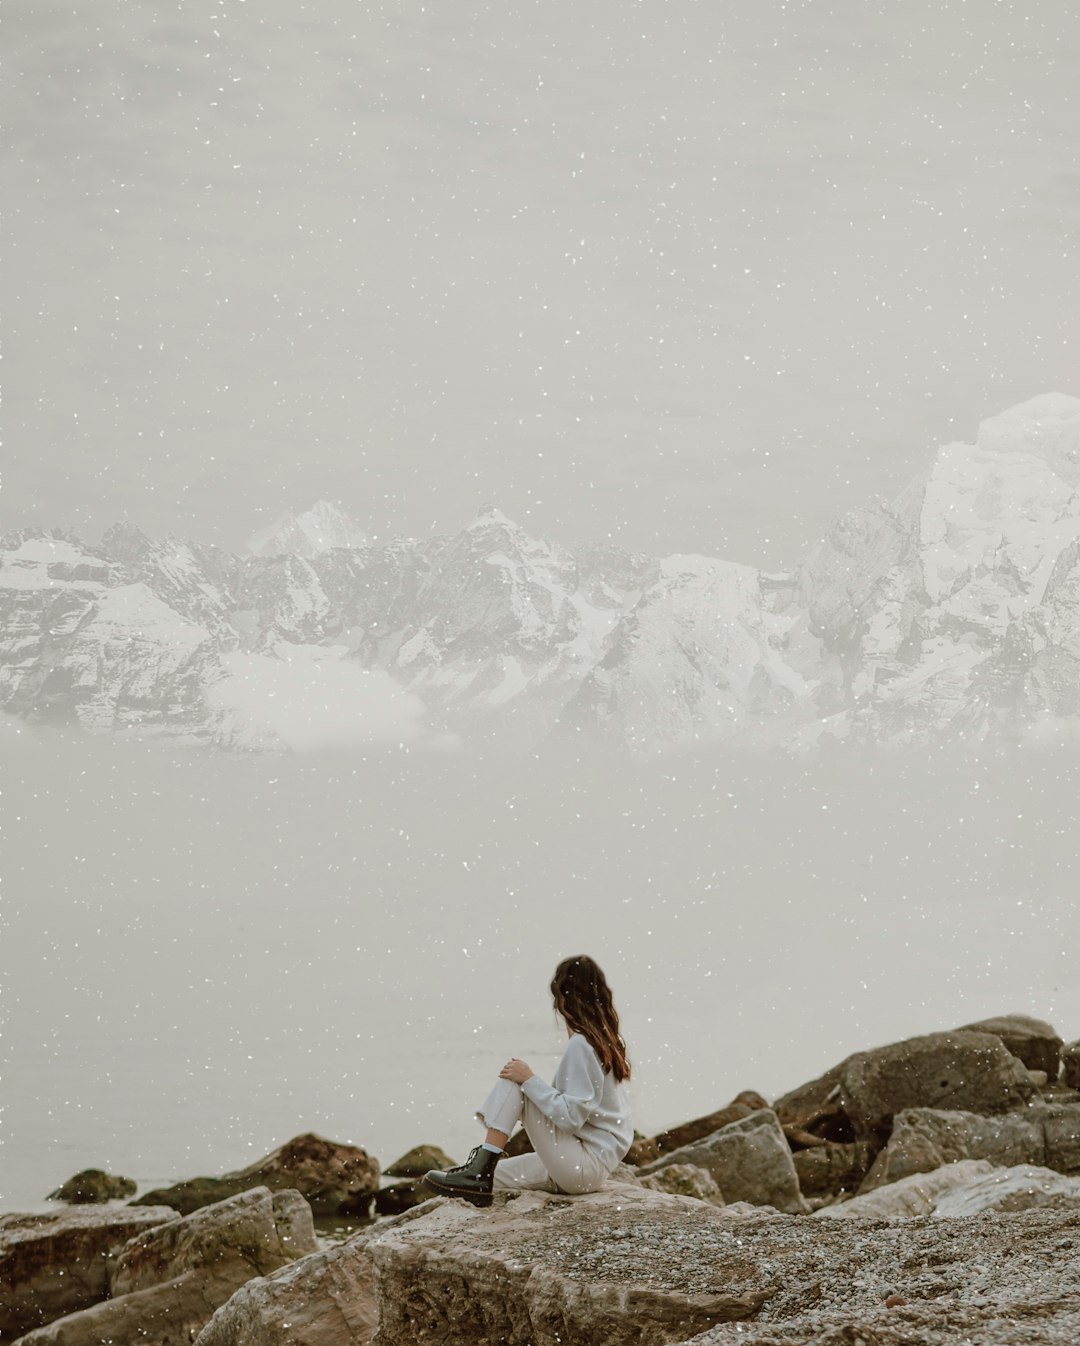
x=924 y=1192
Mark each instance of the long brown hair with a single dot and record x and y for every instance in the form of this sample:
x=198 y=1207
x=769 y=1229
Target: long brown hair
x=583 y=998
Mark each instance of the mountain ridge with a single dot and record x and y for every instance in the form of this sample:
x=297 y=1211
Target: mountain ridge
x=952 y=610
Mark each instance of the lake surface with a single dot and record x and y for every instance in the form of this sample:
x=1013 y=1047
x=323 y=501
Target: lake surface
x=204 y=956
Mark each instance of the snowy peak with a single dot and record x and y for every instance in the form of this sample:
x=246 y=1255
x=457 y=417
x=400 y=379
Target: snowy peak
x=33 y=558
x=488 y=516
x=997 y=513
x=1047 y=426
x=953 y=610
x=319 y=529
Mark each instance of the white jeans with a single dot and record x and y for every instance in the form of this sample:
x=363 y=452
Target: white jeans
x=561 y=1162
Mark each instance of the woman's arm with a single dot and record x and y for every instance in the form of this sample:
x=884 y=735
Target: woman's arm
x=582 y=1077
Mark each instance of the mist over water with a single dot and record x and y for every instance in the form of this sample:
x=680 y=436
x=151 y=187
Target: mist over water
x=205 y=954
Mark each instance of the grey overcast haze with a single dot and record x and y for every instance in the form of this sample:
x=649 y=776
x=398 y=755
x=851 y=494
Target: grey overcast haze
x=691 y=276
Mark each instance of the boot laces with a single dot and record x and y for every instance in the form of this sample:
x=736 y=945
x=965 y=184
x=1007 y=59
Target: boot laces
x=461 y=1168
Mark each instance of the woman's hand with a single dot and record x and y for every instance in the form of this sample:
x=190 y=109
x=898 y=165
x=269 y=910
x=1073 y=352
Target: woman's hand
x=516 y=1070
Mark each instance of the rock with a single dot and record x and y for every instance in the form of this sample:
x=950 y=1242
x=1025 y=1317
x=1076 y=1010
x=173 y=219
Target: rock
x=924 y=1139
x=519 y=1143
x=592 y=1271
x=400 y=1196
x=55 y=1264
x=831 y=1168
x=192 y=1194
x=1070 y=1066
x=1061 y=1094
x=856 y=1099
x=336 y=1179
x=910 y=1197
x=816 y=1108
x=325 y=1299
x=93 y=1185
x=262 y=1228
x=643 y=1151
x=1034 y=1042
x=622 y=1264
x=418 y=1161
x=167 y=1282
x=967 y=1187
x=685 y=1180
x=1021 y=1187
x=749 y=1160
x=968 y=1071
x=687 y=1132
x=998 y=1279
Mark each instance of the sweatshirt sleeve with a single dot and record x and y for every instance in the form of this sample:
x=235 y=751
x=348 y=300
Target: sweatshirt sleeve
x=582 y=1079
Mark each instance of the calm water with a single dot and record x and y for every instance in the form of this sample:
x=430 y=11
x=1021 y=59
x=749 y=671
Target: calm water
x=205 y=956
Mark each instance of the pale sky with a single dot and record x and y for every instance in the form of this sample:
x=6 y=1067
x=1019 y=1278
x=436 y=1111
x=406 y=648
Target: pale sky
x=694 y=276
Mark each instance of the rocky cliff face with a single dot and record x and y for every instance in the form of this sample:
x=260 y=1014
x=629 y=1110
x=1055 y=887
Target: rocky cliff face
x=953 y=611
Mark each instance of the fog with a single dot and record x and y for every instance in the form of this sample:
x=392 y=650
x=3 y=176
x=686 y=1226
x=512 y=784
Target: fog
x=206 y=954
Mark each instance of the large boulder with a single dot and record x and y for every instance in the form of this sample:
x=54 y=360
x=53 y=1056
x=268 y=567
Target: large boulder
x=263 y=1229
x=924 y=1139
x=619 y=1265
x=857 y=1099
x=325 y=1299
x=831 y=1168
x=336 y=1179
x=615 y=1267
x=602 y=1269
x=167 y=1282
x=93 y=1185
x=911 y=1197
x=964 y=1188
x=687 y=1132
x=1021 y=1187
x=418 y=1161
x=401 y=1196
x=54 y=1264
x=971 y=1072
x=1032 y=1041
x=749 y=1160
x=816 y=1107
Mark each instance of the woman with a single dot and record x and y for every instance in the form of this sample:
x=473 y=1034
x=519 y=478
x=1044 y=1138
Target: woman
x=579 y=1124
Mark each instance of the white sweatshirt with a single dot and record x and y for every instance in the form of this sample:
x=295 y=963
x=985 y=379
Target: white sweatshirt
x=586 y=1101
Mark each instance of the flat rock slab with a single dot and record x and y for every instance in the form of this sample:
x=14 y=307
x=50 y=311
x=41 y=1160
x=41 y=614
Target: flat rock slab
x=626 y=1267
x=55 y=1264
x=621 y=1265
x=994 y=1279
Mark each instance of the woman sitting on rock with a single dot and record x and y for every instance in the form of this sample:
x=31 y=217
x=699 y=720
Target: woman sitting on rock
x=579 y=1124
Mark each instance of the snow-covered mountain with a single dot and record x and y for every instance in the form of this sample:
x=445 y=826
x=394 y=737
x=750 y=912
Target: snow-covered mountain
x=322 y=527
x=955 y=610
x=87 y=641
x=952 y=611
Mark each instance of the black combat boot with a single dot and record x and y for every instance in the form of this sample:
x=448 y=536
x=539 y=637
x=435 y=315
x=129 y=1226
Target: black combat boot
x=472 y=1179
